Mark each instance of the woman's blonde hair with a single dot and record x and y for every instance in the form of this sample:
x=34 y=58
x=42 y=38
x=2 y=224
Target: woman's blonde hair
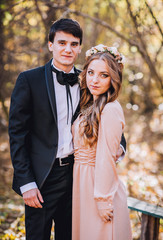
x=91 y=110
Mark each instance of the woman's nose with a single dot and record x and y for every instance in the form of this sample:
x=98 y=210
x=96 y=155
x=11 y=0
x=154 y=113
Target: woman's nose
x=95 y=78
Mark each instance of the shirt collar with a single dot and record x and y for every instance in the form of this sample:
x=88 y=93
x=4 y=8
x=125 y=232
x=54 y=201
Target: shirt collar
x=71 y=71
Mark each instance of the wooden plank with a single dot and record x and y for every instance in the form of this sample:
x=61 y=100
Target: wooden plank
x=144 y=207
x=149 y=227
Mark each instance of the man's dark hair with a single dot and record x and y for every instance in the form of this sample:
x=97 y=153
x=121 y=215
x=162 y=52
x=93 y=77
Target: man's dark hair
x=66 y=25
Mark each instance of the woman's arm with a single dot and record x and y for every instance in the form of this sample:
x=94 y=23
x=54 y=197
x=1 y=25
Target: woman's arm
x=109 y=137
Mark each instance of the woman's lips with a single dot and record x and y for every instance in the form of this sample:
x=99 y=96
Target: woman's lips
x=94 y=87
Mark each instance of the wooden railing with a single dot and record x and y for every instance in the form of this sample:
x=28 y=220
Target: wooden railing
x=151 y=215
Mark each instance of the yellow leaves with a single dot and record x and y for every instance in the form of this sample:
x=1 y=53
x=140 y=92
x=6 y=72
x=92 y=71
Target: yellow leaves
x=7 y=18
x=133 y=49
x=32 y=21
x=16 y=230
x=161 y=226
x=8 y=237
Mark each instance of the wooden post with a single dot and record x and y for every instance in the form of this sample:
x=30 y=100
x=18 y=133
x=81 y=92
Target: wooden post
x=149 y=227
x=151 y=215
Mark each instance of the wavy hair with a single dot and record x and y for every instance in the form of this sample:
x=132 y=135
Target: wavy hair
x=91 y=110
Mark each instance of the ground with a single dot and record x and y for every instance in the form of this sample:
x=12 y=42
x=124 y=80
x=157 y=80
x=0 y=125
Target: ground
x=140 y=171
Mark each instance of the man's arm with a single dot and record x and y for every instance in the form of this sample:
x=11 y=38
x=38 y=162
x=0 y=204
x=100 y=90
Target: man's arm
x=123 y=142
x=27 y=187
x=122 y=149
x=19 y=130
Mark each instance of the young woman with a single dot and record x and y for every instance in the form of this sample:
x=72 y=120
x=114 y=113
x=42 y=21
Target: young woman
x=100 y=209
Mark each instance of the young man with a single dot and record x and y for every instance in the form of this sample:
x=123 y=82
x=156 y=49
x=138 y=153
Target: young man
x=44 y=103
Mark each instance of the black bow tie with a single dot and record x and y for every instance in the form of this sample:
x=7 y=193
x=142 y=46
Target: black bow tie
x=67 y=79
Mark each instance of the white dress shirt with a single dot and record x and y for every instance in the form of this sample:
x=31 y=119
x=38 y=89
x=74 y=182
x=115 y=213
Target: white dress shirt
x=65 y=144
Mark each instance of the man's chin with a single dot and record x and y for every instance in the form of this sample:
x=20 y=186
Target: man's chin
x=68 y=62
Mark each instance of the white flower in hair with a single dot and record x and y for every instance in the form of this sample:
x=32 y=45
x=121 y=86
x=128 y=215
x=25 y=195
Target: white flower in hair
x=89 y=53
x=102 y=48
x=94 y=50
x=123 y=60
x=113 y=50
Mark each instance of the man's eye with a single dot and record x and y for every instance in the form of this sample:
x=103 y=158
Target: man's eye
x=74 y=44
x=62 y=43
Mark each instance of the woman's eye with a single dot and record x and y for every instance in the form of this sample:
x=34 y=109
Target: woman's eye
x=105 y=75
x=90 y=72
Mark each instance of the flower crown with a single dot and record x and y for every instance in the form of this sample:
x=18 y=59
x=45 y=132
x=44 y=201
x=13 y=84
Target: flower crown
x=112 y=50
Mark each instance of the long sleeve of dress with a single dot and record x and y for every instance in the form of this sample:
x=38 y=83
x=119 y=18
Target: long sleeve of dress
x=109 y=137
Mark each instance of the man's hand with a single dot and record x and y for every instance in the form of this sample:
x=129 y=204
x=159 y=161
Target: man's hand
x=119 y=153
x=33 y=198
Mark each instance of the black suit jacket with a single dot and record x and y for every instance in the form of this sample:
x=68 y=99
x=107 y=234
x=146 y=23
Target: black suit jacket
x=33 y=127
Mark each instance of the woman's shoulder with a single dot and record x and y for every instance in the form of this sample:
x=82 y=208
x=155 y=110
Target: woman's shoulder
x=112 y=106
x=113 y=109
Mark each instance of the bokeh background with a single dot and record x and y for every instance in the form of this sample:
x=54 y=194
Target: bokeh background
x=135 y=28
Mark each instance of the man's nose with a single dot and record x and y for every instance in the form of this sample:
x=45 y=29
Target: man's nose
x=68 y=48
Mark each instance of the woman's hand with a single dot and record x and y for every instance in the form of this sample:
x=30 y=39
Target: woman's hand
x=106 y=214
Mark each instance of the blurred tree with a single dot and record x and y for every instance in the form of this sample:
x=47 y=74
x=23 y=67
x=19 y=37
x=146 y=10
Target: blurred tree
x=4 y=74
x=135 y=28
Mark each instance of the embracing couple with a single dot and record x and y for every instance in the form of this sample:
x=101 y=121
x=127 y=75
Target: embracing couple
x=66 y=132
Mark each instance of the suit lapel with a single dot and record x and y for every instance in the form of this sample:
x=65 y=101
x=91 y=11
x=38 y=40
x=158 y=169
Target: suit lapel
x=50 y=89
x=77 y=111
x=76 y=114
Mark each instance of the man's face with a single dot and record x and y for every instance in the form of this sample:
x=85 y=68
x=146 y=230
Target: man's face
x=65 y=49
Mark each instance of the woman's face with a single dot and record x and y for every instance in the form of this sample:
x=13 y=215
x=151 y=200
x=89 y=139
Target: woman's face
x=98 y=78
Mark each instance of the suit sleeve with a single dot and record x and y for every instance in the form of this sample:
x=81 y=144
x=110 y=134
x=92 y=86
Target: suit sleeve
x=123 y=141
x=19 y=130
x=109 y=137
x=123 y=146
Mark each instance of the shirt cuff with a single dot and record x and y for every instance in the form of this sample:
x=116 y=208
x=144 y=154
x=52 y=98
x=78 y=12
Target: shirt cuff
x=104 y=205
x=27 y=187
x=122 y=156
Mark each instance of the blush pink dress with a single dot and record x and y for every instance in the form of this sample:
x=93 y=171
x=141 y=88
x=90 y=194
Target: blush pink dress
x=96 y=184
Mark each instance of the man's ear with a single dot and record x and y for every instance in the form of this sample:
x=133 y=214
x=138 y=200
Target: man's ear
x=50 y=46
